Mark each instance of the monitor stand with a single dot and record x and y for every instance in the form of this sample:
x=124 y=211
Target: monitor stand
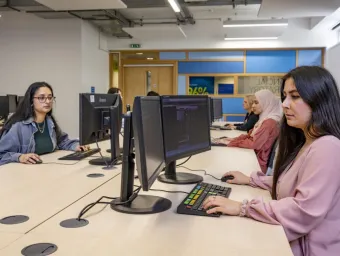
x=138 y=204
x=120 y=149
x=105 y=161
x=172 y=177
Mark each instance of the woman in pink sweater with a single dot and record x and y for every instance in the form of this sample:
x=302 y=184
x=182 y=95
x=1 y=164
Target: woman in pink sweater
x=306 y=183
x=265 y=131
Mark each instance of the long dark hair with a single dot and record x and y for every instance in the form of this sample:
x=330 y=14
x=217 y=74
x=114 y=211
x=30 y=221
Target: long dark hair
x=113 y=90
x=318 y=89
x=25 y=109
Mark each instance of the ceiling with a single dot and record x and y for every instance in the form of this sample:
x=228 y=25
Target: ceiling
x=146 y=19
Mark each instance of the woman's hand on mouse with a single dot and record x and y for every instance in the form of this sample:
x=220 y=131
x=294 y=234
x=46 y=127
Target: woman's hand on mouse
x=239 y=178
x=82 y=148
x=219 y=204
x=30 y=158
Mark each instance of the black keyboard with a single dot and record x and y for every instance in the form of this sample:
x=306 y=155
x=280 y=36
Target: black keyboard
x=76 y=156
x=192 y=204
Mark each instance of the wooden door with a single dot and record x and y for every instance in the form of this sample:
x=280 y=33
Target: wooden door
x=134 y=84
x=137 y=81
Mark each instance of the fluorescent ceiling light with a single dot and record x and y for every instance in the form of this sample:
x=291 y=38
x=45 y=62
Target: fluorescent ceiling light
x=248 y=38
x=149 y=58
x=174 y=5
x=139 y=53
x=260 y=23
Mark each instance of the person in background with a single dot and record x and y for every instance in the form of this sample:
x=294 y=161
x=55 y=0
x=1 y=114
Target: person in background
x=251 y=119
x=152 y=93
x=32 y=130
x=114 y=90
x=305 y=187
x=265 y=131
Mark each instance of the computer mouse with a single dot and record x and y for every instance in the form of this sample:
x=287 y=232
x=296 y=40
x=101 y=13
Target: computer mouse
x=38 y=162
x=228 y=177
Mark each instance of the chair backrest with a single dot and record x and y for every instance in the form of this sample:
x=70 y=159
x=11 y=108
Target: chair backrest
x=270 y=163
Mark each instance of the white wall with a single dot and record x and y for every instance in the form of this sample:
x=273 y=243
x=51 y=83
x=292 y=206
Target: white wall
x=32 y=49
x=64 y=53
x=95 y=59
x=332 y=62
x=298 y=34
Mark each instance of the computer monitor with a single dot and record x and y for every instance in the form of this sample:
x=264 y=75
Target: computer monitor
x=186 y=132
x=217 y=105
x=100 y=118
x=4 y=107
x=12 y=102
x=20 y=99
x=211 y=111
x=148 y=137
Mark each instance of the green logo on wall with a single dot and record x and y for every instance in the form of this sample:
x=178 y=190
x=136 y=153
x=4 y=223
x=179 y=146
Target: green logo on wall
x=197 y=90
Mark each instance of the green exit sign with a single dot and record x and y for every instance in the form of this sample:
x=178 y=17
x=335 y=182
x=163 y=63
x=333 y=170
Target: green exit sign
x=134 y=45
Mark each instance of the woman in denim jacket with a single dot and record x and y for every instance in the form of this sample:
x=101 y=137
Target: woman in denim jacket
x=32 y=130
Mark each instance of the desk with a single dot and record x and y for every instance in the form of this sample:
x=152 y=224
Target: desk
x=42 y=190
x=167 y=233
x=7 y=238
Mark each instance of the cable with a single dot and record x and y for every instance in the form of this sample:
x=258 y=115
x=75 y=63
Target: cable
x=174 y=192
x=160 y=190
x=205 y=172
x=62 y=163
x=184 y=161
x=101 y=155
x=121 y=134
x=89 y=206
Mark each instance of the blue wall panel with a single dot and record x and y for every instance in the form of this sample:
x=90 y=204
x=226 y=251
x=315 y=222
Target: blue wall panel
x=172 y=56
x=233 y=106
x=182 y=90
x=235 y=119
x=215 y=55
x=309 y=58
x=205 y=67
x=270 y=61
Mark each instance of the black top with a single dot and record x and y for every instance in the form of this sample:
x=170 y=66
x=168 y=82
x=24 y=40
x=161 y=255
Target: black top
x=43 y=142
x=249 y=121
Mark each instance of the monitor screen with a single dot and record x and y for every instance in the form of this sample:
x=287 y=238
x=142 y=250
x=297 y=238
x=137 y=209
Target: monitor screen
x=185 y=126
x=217 y=103
x=4 y=107
x=12 y=100
x=148 y=136
x=211 y=110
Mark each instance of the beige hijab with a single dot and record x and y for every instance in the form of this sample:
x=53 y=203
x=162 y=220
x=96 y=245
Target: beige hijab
x=271 y=108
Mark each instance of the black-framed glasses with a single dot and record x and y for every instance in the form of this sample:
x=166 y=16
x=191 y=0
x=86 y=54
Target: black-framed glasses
x=42 y=99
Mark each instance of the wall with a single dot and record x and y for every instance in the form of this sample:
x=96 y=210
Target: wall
x=95 y=59
x=33 y=50
x=210 y=68
x=333 y=62
x=64 y=53
x=298 y=34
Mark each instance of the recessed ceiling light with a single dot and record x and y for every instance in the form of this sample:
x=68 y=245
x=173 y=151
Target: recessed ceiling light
x=248 y=38
x=174 y=5
x=255 y=23
x=149 y=58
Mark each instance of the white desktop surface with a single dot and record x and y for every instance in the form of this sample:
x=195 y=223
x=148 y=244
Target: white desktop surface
x=40 y=191
x=167 y=233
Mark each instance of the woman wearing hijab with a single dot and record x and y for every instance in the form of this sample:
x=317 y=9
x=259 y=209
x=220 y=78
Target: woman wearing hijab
x=265 y=131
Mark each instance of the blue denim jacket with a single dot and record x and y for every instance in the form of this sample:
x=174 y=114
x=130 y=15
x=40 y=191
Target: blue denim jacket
x=20 y=140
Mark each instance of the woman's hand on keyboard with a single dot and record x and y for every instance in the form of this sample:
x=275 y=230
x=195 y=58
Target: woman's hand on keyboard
x=219 y=204
x=221 y=141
